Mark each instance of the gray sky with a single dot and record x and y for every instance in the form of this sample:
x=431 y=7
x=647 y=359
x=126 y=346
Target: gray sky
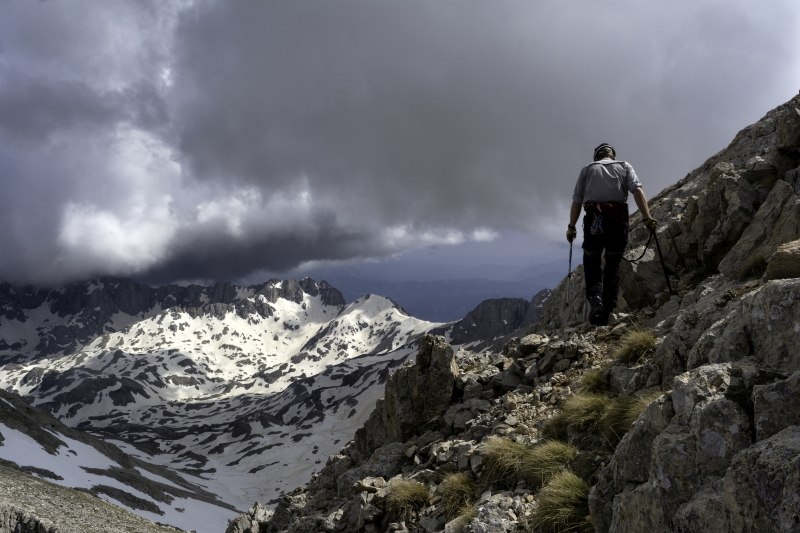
x=212 y=140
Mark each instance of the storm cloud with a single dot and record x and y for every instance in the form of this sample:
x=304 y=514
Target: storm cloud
x=212 y=139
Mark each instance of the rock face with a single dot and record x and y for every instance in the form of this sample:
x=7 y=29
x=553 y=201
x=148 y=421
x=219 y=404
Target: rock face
x=416 y=397
x=785 y=262
x=495 y=317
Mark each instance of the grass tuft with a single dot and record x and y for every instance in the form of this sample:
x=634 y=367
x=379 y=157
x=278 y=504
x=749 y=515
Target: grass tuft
x=583 y=412
x=465 y=516
x=545 y=461
x=504 y=460
x=563 y=505
x=634 y=345
x=608 y=417
x=621 y=414
x=457 y=492
x=555 y=428
x=594 y=381
x=405 y=498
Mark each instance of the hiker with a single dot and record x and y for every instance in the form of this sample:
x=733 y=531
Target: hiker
x=602 y=190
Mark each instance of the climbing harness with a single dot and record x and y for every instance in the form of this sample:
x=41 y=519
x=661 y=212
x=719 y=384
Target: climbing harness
x=597 y=225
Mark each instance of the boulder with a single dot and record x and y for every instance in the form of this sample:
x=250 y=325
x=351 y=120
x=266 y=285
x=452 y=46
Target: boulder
x=693 y=451
x=758 y=492
x=785 y=262
x=777 y=222
x=530 y=343
x=776 y=406
x=788 y=130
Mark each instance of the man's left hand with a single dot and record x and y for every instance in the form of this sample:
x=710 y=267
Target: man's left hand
x=571 y=233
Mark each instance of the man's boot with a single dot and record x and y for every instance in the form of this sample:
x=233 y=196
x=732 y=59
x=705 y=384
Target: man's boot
x=597 y=315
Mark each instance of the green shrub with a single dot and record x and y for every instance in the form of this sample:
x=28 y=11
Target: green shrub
x=457 y=492
x=504 y=459
x=545 y=461
x=594 y=381
x=563 y=505
x=405 y=498
x=634 y=345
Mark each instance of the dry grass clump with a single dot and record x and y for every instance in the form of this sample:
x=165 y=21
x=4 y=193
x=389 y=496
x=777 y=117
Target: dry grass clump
x=504 y=459
x=563 y=505
x=406 y=498
x=465 y=516
x=583 y=412
x=594 y=381
x=545 y=461
x=634 y=345
x=555 y=428
x=608 y=417
x=457 y=492
x=621 y=415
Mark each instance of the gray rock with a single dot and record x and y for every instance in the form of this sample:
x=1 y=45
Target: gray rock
x=491 y=519
x=776 y=406
x=758 y=492
x=785 y=262
x=630 y=463
x=693 y=451
x=776 y=222
x=507 y=380
x=788 y=130
x=416 y=398
x=530 y=343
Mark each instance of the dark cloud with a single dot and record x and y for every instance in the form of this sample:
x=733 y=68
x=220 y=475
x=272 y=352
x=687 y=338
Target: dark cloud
x=214 y=139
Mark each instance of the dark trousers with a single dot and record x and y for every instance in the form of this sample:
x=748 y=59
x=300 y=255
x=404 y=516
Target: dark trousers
x=603 y=286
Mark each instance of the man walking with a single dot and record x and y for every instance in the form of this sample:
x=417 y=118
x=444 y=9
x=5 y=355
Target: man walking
x=602 y=190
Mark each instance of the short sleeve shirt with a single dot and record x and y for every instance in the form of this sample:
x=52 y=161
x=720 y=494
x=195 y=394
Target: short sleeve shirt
x=606 y=180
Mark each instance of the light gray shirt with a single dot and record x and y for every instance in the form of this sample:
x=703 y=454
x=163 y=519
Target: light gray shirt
x=606 y=180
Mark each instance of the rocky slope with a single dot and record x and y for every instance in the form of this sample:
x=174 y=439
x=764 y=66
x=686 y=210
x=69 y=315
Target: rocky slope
x=696 y=431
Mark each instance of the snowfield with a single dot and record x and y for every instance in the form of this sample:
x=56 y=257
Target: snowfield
x=244 y=391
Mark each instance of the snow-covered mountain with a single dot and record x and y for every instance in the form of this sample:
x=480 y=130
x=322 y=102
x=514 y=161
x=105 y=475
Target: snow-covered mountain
x=247 y=389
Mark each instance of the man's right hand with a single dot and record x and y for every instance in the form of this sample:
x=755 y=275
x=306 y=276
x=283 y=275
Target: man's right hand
x=571 y=233
x=651 y=223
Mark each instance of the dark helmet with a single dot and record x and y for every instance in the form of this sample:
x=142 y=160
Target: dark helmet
x=604 y=149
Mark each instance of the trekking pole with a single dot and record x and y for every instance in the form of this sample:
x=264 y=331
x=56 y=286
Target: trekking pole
x=663 y=266
x=566 y=304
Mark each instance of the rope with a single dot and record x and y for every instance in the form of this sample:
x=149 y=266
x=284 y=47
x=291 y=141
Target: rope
x=646 y=246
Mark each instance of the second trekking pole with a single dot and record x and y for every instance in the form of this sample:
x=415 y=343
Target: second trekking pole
x=566 y=304
x=661 y=257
